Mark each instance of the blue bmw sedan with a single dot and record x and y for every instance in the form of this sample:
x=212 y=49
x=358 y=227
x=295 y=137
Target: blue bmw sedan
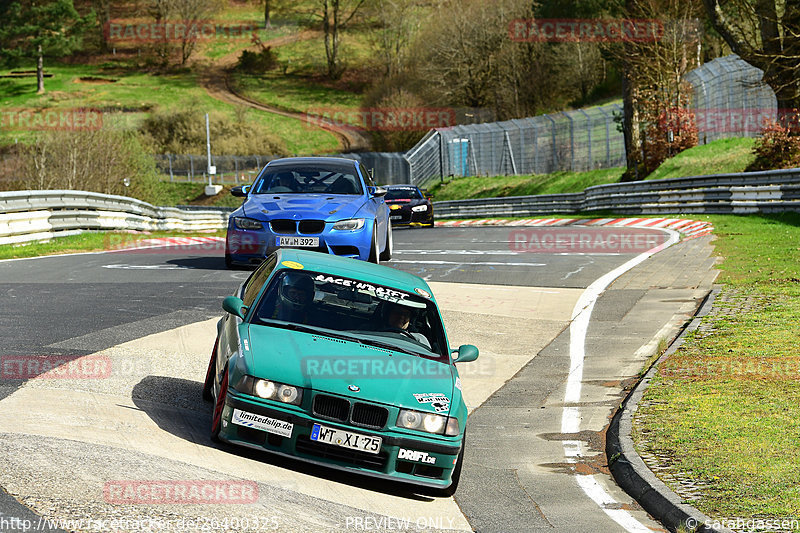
x=325 y=204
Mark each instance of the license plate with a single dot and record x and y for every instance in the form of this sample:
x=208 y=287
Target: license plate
x=396 y=217
x=305 y=242
x=345 y=439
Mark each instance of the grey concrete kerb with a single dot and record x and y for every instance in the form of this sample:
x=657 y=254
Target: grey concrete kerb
x=628 y=468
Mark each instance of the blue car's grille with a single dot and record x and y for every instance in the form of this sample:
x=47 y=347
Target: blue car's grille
x=312 y=226
x=288 y=227
x=282 y=225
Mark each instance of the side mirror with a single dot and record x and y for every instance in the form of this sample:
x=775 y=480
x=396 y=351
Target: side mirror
x=466 y=353
x=234 y=306
x=378 y=192
x=240 y=191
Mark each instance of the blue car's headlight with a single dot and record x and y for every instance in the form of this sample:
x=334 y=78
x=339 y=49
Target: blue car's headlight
x=246 y=223
x=349 y=224
x=419 y=208
x=270 y=390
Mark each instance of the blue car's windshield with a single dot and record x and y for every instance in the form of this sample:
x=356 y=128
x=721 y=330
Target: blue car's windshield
x=372 y=313
x=308 y=179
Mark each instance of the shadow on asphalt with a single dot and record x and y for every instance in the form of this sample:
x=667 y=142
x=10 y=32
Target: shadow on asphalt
x=200 y=263
x=177 y=407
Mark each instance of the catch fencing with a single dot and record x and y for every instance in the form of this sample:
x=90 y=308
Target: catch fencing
x=748 y=192
x=389 y=168
x=730 y=99
x=579 y=140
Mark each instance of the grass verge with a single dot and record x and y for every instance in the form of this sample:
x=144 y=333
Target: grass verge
x=91 y=241
x=723 y=410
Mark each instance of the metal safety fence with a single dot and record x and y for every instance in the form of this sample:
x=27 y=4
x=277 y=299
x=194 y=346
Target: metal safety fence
x=388 y=168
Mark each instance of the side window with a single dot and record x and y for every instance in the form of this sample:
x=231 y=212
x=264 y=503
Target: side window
x=257 y=280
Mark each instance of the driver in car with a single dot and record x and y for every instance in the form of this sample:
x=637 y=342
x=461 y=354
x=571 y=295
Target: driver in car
x=398 y=317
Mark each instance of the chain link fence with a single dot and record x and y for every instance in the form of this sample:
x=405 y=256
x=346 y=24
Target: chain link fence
x=583 y=139
x=388 y=168
x=730 y=99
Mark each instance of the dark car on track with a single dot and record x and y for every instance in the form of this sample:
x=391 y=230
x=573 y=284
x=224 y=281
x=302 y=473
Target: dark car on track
x=408 y=206
x=324 y=204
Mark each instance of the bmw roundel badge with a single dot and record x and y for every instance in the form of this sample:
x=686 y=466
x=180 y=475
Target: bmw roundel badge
x=354 y=388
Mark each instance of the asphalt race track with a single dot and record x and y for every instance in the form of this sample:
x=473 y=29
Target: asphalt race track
x=554 y=358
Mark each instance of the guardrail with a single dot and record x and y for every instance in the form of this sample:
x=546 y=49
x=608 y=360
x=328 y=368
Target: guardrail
x=38 y=215
x=747 y=192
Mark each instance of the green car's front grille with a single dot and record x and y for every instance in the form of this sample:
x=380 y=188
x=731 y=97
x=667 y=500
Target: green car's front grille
x=371 y=416
x=331 y=407
x=362 y=414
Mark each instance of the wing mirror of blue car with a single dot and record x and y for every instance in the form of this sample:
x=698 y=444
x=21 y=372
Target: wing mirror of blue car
x=240 y=191
x=378 y=192
x=234 y=306
x=466 y=353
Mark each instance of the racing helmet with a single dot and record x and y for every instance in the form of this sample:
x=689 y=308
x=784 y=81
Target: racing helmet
x=296 y=291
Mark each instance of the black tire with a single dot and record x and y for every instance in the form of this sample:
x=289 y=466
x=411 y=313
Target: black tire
x=374 y=257
x=386 y=255
x=228 y=262
x=216 y=420
x=209 y=382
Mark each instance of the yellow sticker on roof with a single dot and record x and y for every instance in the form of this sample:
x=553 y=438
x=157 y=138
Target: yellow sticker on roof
x=292 y=264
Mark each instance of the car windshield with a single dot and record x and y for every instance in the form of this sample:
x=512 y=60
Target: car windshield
x=403 y=193
x=364 y=312
x=308 y=179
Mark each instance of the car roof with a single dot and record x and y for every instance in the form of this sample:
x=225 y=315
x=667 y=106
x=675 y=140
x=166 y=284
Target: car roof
x=401 y=186
x=313 y=160
x=354 y=268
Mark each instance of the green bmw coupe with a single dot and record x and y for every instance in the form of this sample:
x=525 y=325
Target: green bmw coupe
x=342 y=363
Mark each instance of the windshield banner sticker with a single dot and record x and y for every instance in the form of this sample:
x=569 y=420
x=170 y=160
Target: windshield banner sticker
x=383 y=293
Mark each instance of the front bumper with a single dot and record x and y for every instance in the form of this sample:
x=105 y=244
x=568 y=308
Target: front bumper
x=406 y=217
x=386 y=464
x=253 y=246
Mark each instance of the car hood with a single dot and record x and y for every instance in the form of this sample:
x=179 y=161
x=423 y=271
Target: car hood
x=328 y=207
x=333 y=365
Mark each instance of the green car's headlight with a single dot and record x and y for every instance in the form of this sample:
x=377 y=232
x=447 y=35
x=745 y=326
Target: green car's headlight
x=427 y=422
x=246 y=223
x=350 y=224
x=270 y=390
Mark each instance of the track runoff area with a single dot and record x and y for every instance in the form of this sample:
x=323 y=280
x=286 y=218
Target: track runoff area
x=121 y=434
